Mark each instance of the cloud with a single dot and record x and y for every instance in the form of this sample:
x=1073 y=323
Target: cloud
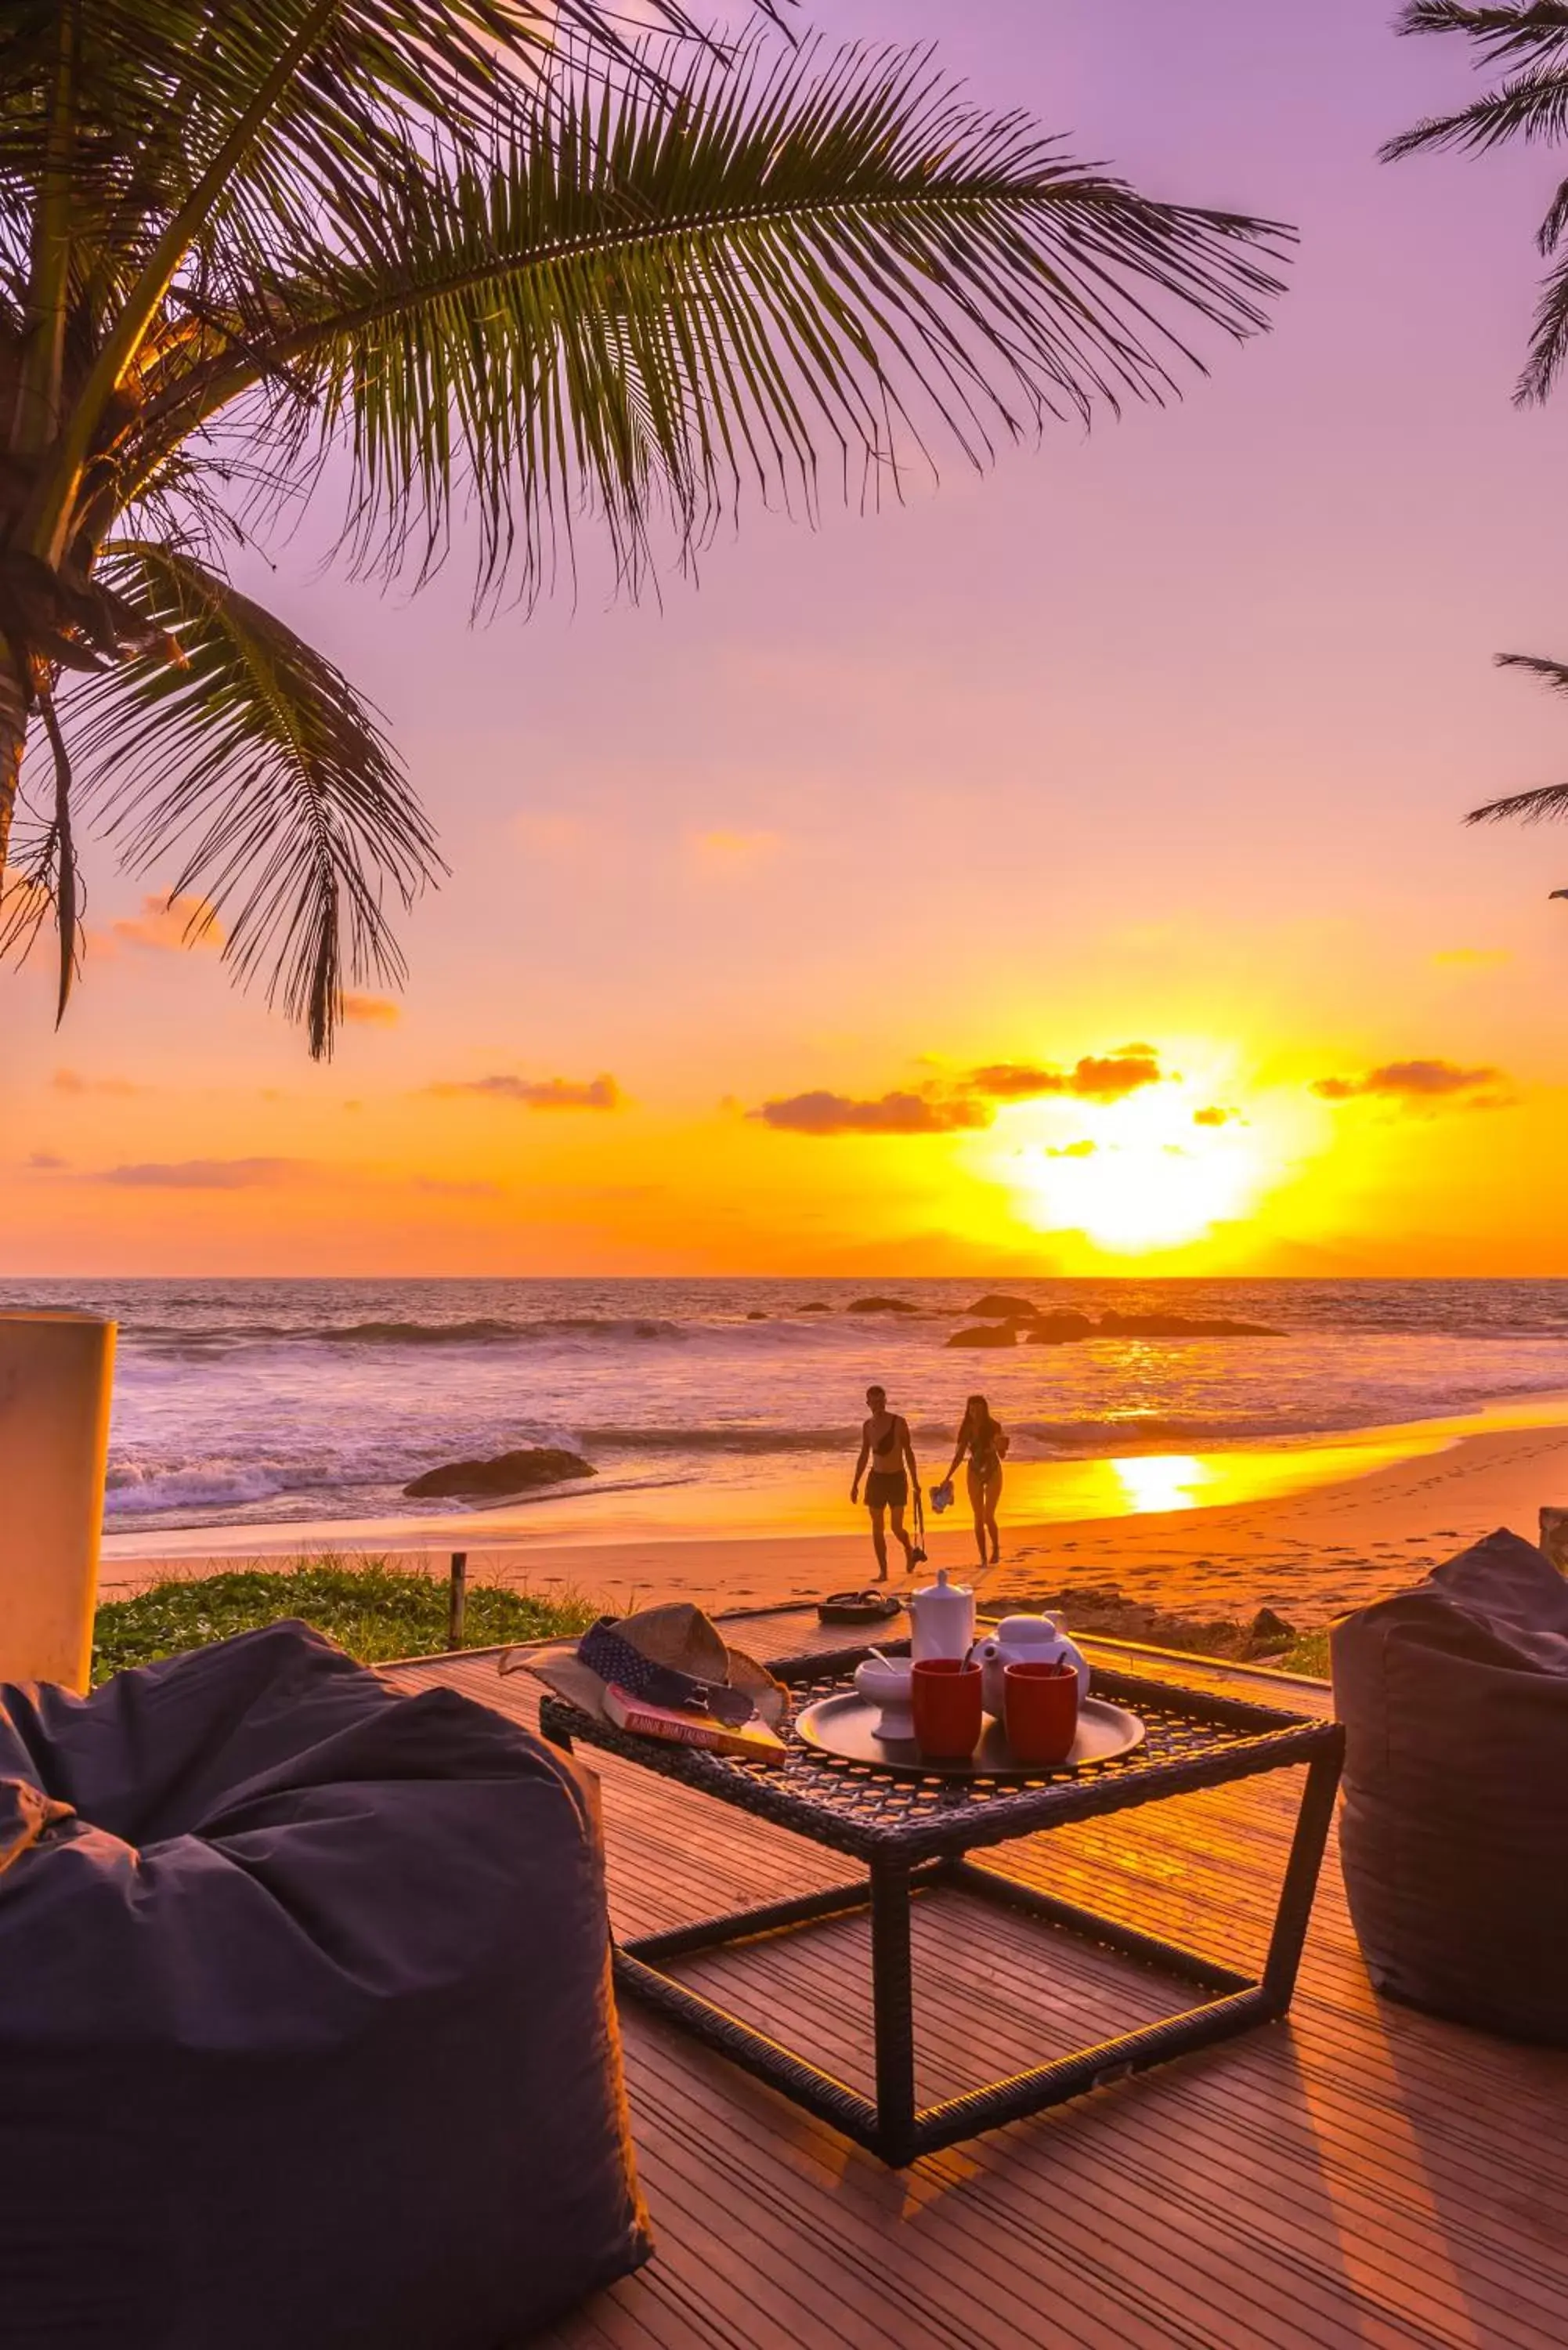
x=1472 y=958
x=968 y=1102
x=1114 y=1077
x=164 y=926
x=1419 y=1081
x=371 y=1010
x=46 y=1161
x=894 y=1113
x=440 y=1187
x=1095 y=1078
x=1215 y=1117
x=206 y=1174
x=536 y=1093
x=71 y=1081
x=721 y=856
x=1073 y=1150
x=1015 y=1081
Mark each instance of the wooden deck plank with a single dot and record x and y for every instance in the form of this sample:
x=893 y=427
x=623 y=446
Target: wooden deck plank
x=1362 y=2176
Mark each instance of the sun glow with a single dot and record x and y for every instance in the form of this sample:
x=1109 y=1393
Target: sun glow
x=1162 y=1481
x=1158 y=1170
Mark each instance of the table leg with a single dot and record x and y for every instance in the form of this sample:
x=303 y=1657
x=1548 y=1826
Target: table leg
x=893 y=2010
x=1296 y=1894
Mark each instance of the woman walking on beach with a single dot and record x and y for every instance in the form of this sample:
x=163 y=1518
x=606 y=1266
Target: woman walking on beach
x=985 y=1440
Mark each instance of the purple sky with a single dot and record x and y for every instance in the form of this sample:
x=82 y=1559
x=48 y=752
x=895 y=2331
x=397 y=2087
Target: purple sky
x=1161 y=734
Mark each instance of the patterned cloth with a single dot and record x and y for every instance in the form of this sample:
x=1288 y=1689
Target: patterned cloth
x=615 y=1659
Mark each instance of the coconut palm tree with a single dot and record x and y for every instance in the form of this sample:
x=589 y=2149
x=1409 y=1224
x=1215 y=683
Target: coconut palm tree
x=1529 y=101
x=476 y=264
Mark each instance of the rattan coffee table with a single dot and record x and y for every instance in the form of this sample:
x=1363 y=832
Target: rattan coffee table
x=916 y=1833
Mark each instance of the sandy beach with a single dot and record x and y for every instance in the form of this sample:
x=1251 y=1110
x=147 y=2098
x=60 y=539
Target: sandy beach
x=1309 y=1554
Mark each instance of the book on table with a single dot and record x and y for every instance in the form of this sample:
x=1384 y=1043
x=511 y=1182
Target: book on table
x=753 y=1740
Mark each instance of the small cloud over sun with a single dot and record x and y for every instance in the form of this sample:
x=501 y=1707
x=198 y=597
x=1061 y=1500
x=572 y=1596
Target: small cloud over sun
x=1420 y=1084
x=962 y=1104
x=1095 y=1078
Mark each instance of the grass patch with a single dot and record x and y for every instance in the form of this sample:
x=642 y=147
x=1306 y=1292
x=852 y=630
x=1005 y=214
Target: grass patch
x=372 y=1609
x=1308 y=1654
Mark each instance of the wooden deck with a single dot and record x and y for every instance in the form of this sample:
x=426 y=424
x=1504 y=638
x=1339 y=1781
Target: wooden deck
x=1361 y=2175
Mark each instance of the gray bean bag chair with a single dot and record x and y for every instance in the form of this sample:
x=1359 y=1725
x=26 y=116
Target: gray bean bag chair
x=1454 y=1841
x=306 y=2038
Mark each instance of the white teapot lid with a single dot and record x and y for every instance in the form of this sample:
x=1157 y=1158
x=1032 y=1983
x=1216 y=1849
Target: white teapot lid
x=1028 y=1628
x=941 y=1589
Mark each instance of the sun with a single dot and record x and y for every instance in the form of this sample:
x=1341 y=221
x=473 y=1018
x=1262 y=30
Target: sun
x=1159 y=1170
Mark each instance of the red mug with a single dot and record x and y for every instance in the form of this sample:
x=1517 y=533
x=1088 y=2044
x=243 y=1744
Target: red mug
x=944 y=1698
x=1040 y=1711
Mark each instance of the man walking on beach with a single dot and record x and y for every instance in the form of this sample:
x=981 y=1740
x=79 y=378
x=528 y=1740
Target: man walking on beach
x=885 y=1443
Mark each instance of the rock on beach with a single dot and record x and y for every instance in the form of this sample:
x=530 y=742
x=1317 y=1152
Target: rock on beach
x=509 y=1473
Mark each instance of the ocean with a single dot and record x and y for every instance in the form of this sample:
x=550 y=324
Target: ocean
x=279 y=1402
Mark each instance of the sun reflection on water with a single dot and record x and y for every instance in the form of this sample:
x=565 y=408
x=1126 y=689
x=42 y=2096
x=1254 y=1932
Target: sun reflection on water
x=1163 y=1480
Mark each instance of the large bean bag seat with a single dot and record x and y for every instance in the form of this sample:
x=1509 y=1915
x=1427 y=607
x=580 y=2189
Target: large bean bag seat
x=1455 y=1834
x=306 y=2038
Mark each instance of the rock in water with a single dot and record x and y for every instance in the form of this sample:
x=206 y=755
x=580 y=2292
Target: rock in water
x=989 y=1335
x=1059 y=1329
x=509 y=1473
x=998 y=1308
x=882 y=1305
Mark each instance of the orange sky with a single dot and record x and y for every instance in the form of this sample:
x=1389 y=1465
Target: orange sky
x=1158 y=740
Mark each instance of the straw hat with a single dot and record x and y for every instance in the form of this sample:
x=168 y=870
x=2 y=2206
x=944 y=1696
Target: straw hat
x=679 y=1636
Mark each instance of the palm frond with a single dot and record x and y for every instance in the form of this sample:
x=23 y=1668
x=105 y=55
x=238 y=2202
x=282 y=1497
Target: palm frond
x=1551 y=673
x=1525 y=807
x=1535 y=28
x=1548 y=346
x=256 y=767
x=660 y=291
x=1551 y=799
x=1529 y=106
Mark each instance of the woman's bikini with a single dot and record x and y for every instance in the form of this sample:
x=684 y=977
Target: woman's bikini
x=984 y=1459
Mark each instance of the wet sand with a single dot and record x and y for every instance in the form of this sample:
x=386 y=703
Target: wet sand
x=1309 y=1554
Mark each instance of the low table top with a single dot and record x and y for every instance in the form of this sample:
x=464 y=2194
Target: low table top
x=1192 y=1741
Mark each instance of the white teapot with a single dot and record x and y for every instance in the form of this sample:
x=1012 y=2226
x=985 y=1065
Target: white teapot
x=1024 y=1640
x=943 y=1615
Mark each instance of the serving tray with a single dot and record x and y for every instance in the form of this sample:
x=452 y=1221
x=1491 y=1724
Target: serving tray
x=846 y=1726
